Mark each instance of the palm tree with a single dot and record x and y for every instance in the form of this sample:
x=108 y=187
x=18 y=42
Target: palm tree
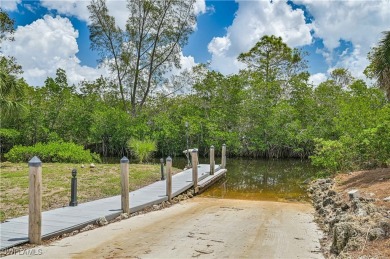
x=379 y=67
x=11 y=90
x=11 y=87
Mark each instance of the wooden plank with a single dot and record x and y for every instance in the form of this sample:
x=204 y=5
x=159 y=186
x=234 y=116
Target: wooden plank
x=204 y=184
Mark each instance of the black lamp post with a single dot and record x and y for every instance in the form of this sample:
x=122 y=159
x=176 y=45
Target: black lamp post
x=73 y=189
x=162 y=168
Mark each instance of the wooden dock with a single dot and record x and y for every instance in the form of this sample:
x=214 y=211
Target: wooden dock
x=62 y=220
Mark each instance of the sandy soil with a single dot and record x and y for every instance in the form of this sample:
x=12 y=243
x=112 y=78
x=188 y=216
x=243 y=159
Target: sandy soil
x=200 y=227
x=371 y=184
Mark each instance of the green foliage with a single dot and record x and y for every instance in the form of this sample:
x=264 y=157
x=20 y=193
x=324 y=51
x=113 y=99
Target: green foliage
x=63 y=152
x=370 y=148
x=379 y=67
x=268 y=110
x=8 y=135
x=8 y=138
x=374 y=146
x=142 y=149
x=6 y=26
x=336 y=155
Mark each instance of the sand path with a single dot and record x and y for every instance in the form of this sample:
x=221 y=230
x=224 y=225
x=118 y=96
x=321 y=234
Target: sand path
x=200 y=227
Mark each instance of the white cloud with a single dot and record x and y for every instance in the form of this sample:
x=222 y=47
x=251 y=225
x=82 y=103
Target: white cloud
x=69 y=7
x=318 y=78
x=219 y=45
x=359 y=22
x=10 y=5
x=116 y=8
x=355 y=62
x=186 y=63
x=253 y=20
x=46 y=45
x=200 y=7
x=79 y=9
x=179 y=80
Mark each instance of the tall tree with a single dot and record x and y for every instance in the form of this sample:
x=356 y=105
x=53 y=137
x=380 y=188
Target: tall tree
x=11 y=87
x=147 y=48
x=273 y=59
x=379 y=67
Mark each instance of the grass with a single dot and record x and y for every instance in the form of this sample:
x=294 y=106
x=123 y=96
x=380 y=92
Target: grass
x=93 y=183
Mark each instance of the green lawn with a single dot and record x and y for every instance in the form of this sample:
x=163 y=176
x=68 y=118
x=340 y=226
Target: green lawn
x=93 y=183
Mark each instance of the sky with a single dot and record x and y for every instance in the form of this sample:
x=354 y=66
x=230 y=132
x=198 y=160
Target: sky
x=52 y=34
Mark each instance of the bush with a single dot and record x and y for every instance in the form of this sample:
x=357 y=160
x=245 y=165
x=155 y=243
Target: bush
x=8 y=138
x=327 y=154
x=65 y=152
x=369 y=149
x=142 y=149
x=374 y=146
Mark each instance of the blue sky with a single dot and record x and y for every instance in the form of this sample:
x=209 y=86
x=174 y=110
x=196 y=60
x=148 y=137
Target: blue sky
x=52 y=34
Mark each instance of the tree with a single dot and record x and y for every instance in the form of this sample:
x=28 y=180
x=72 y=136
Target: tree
x=146 y=49
x=273 y=59
x=6 y=26
x=11 y=87
x=379 y=67
x=341 y=77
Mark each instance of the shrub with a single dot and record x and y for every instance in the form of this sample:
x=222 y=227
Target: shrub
x=8 y=138
x=374 y=146
x=65 y=152
x=370 y=148
x=142 y=149
x=327 y=154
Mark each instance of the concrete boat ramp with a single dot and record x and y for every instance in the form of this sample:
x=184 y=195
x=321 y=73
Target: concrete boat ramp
x=62 y=220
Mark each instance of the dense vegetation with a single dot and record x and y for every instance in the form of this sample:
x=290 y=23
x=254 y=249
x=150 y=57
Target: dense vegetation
x=52 y=152
x=269 y=109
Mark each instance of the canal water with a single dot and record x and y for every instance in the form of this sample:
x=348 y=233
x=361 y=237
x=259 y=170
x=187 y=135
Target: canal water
x=257 y=179
x=274 y=180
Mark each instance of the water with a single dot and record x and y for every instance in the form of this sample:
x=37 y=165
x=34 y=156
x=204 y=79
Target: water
x=274 y=180
x=249 y=179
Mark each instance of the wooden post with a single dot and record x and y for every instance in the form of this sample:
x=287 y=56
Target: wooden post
x=212 y=161
x=125 y=205
x=194 y=156
x=223 y=162
x=35 y=201
x=169 y=178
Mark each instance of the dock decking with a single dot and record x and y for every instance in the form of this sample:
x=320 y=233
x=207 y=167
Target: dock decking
x=62 y=220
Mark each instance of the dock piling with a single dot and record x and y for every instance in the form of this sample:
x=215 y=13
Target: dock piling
x=169 y=178
x=125 y=185
x=223 y=162
x=212 y=161
x=35 y=201
x=194 y=156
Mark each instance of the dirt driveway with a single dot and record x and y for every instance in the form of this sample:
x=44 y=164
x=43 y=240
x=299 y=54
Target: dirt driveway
x=201 y=227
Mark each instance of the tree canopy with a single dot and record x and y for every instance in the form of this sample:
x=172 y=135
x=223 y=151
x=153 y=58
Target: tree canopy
x=143 y=52
x=379 y=67
x=269 y=110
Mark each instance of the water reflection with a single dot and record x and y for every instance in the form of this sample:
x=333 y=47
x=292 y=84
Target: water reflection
x=276 y=180
x=263 y=180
